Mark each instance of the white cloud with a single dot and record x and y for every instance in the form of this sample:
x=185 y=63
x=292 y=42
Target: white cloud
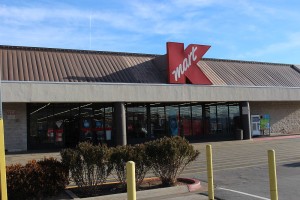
x=194 y=3
x=229 y=25
x=291 y=42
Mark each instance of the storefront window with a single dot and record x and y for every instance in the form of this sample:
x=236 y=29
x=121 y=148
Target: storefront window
x=197 y=122
x=108 y=123
x=86 y=123
x=137 y=122
x=222 y=120
x=64 y=125
x=211 y=119
x=172 y=117
x=58 y=122
x=185 y=121
x=39 y=133
x=72 y=126
x=234 y=117
x=98 y=122
x=158 y=121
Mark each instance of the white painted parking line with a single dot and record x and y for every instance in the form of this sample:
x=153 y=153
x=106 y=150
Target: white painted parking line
x=247 y=194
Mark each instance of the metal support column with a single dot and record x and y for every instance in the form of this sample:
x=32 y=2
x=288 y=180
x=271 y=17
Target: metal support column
x=120 y=122
x=246 y=120
x=148 y=120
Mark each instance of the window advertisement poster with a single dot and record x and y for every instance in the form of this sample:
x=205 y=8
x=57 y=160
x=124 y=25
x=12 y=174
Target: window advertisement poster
x=265 y=122
x=59 y=135
x=99 y=130
x=50 y=134
x=86 y=129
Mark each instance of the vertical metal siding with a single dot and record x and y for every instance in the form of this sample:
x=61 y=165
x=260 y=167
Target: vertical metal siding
x=48 y=66
x=15 y=71
x=20 y=67
x=72 y=67
x=104 y=71
x=79 y=72
x=40 y=66
x=99 y=72
x=254 y=73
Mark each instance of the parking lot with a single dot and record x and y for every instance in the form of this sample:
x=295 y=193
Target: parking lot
x=241 y=170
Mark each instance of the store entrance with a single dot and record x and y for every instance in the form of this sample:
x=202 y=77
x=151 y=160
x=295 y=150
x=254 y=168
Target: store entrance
x=255 y=124
x=71 y=133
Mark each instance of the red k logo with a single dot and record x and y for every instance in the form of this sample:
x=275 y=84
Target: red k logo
x=182 y=64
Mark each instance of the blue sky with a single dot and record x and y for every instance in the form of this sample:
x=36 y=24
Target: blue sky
x=254 y=30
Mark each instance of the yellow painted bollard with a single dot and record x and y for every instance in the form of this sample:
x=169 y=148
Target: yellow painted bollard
x=130 y=176
x=2 y=163
x=210 y=176
x=272 y=175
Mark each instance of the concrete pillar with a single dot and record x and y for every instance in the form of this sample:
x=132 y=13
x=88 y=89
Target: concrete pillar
x=148 y=120
x=245 y=117
x=120 y=122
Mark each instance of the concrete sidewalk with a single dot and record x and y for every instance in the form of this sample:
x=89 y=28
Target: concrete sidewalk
x=177 y=192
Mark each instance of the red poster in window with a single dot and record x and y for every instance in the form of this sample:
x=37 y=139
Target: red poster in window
x=186 y=125
x=58 y=135
x=197 y=127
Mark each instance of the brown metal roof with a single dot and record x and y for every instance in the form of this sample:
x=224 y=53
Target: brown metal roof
x=64 y=65
x=233 y=72
x=59 y=65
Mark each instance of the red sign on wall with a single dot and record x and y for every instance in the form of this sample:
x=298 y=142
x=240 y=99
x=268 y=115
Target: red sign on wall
x=182 y=63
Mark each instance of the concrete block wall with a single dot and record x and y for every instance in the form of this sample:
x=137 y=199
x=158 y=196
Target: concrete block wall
x=15 y=126
x=284 y=116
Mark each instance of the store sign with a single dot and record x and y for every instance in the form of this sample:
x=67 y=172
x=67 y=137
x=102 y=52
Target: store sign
x=182 y=63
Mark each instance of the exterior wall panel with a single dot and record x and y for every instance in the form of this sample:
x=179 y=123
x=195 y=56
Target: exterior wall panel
x=284 y=116
x=15 y=126
x=93 y=92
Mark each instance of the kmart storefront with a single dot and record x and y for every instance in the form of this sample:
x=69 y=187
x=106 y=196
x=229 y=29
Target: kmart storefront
x=56 y=98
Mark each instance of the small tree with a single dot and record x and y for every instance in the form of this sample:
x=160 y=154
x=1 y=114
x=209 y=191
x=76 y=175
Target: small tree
x=169 y=157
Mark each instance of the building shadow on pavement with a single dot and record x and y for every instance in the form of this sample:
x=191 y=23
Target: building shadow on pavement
x=296 y=164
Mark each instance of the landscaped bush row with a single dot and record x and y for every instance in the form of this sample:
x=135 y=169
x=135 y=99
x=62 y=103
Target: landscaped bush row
x=36 y=179
x=91 y=165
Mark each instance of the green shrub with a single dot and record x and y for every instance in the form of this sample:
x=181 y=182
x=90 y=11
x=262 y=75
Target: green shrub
x=88 y=165
x=169 y=156
x=122 y=154
x=35 y=180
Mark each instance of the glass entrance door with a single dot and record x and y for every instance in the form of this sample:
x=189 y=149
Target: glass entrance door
x=255 y=122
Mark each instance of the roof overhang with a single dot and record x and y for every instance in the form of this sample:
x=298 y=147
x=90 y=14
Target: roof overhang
x=114 y=92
